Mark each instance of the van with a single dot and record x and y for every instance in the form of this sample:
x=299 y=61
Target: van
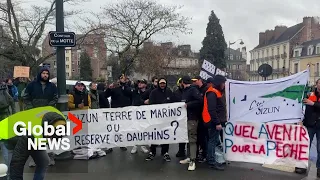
x=70 y=85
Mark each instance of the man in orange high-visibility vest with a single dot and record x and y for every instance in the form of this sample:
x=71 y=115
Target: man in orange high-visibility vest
x=212 y=116
x=312 y=122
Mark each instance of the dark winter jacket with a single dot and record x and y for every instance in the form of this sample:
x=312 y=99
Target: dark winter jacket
x=178 y=95
x=312 y=113
x=192 y=97
x=146 y=94
x=120 y=96
x=34 y=96
x=21 y=153
x=137 y=98
x=103 y=100
x=76 y=97
x=161 y=96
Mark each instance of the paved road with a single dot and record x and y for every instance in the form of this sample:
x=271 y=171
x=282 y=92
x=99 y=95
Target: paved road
x=122 y=165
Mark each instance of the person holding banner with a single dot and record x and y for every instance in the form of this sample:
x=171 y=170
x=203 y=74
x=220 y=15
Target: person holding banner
x=312 y=122
x=212 y=117
x=193 y=99
x=137 y=100
x=160 y=95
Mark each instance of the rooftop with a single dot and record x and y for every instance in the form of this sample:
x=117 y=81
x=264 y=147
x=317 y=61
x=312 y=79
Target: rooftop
x=285 y=36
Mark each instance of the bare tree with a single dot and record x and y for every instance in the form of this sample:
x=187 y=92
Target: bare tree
x=130 y=23
x=25 y=29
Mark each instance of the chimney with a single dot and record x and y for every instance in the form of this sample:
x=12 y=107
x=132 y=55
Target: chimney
x=307 y=22
x=278 y=30
x=261 y=38
x=269 y=35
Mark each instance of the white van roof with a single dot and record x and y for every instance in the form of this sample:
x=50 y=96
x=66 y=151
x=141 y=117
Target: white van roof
x=71 y=82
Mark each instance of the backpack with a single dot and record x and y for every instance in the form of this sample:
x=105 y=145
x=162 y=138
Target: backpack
x=4 y=97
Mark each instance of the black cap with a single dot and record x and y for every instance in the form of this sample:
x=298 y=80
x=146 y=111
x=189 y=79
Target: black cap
x=186 y=80
x=217 y=80
x=142 y=81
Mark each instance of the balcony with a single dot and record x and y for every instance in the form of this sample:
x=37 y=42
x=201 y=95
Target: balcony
x=271 y=57
x=277 y=56
x=266 y=58
x=284 y=55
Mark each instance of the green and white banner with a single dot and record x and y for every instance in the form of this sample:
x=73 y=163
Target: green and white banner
x=277 y=100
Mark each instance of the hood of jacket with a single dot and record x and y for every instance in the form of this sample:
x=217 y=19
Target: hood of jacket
x=39 y=74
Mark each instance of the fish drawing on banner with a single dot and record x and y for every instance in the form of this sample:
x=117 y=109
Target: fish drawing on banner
x=277 y=100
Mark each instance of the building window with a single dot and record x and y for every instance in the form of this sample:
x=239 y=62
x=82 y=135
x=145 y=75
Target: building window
x=272 y=64
x=278 y=64
x=258 y=55
x=284 y=63
x=318 y=50
x=67 y=66
x=296 y=67
x=278 y=50
x=67 y=74
x=309 y=51
x=284 y=48
x=72 y=62
x=78 y=69
x=78 y=63
x=54 y=63
x=262 y=53
x=267 y=52
x=231 y=56
x=79 y=54
x=73 y=70
x=296 y=53
x=272 y=52
x=317 y=70
x=68 y=51
x=67 y=59
x=238 y=66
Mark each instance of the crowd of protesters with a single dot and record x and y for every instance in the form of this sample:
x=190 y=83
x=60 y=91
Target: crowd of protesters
x=204 y=101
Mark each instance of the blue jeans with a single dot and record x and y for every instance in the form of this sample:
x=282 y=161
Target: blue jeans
x=7 y=155
x=213 y=142
x=314 y=131
x=41 y=159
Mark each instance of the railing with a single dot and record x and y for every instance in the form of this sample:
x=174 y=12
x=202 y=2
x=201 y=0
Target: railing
x=277 y=56
x=284 y=55
x=271 y=57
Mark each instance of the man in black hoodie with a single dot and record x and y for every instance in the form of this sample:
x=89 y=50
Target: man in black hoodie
x=193 y=99
x=160 y=95
x=40 y=93
x=146 y=95
x=212 y=116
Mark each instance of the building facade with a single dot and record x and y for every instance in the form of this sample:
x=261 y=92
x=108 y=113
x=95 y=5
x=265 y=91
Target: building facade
x=93 y=44
x=276 y=47
x=307 y=55
x=236 y=63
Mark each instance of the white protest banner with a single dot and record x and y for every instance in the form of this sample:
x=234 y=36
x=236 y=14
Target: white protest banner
x=267 y=101
x=209 y=70
x=128 y=126
x=272 y=144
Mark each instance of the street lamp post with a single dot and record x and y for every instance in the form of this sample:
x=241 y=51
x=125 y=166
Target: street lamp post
x=61 y=64
x=231 y=43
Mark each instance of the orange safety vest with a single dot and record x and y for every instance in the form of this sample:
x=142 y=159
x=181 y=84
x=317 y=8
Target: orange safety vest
x=205 y=113
x=313 y=97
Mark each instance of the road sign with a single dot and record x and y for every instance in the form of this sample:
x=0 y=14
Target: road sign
x=62 y=39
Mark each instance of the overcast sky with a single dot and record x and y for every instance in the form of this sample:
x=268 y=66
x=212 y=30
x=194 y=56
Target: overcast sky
x=239 y=19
